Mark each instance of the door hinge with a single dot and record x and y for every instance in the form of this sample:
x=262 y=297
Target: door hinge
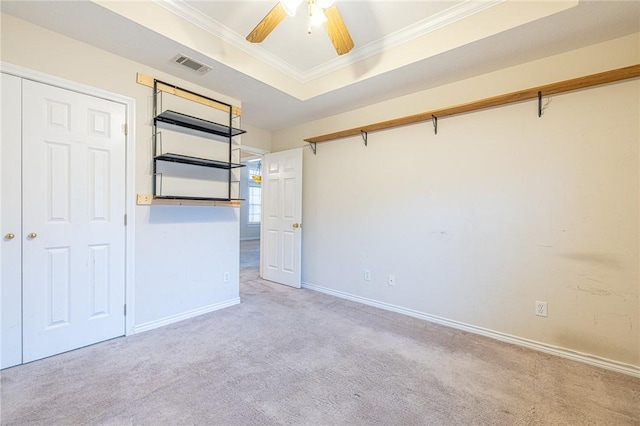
x=125 y=309
x=125 y=127
x=125 y=220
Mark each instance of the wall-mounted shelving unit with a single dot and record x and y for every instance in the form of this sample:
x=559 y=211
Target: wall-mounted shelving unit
x=202 y=166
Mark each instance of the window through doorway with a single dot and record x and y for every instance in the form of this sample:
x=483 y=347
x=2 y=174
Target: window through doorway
x=250 y=210
x=254 y=195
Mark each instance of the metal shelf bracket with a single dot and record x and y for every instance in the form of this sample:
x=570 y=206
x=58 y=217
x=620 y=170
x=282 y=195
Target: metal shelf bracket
x=539 y=103
x=434 y=120
x=313 y=147
x=364 y=135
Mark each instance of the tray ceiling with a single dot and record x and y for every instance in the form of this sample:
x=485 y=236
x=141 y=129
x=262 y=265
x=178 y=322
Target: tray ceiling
x=400 y=46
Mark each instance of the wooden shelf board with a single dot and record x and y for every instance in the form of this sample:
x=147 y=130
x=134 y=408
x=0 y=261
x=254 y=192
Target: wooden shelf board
x=147 y=80
x=149 y=200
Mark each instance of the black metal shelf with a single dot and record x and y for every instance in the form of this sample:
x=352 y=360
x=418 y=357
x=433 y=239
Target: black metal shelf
x=178 y=197
x=189 y=122
x=196 y=161
x=184 y=121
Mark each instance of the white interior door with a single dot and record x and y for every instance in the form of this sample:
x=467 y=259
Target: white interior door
x=73 y=163
x=281 y=227
x=10 y=222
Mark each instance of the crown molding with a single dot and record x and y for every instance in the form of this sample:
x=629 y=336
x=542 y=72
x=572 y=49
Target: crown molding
x=416 y=30
x=226 y=34
x=446 y=17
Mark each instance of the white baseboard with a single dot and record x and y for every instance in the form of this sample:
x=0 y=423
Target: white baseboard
x=608 y=364
x=185 y=315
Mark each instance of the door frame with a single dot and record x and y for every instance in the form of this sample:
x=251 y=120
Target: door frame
x=261 y=153
x=130 y=168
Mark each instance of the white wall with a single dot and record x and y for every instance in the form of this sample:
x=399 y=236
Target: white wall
x=182 y=253
x=256 y=138
x=500 y=209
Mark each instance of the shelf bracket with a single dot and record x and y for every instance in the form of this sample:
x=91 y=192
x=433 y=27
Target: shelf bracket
x=434 y=120
x=364 y=135
x=539 y=103
x=313 y=147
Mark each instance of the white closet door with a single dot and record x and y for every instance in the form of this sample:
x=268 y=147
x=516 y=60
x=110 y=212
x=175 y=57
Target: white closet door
x=73 y=163
x=10 y=222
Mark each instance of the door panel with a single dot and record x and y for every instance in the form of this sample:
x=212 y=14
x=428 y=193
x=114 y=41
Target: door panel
x=99 y=260
x=289 y=198
x=271 y=252
x=73 y=207
x=99 y=191
x=57 y=284
x=288 y=251
x=10 y=222
x=58 y=190
x=281 y=230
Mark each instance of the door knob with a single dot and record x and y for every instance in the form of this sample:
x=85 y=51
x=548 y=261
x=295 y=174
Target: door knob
x=297 y=225
x=9 y=236
x=32 y=235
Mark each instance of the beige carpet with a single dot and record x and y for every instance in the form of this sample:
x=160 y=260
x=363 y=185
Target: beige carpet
x=249 y=254
x=298 y=357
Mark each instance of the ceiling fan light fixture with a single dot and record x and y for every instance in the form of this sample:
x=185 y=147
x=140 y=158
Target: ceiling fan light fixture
x=334 y=25
x=317 y=16
x=290 y=6
x=324 y=4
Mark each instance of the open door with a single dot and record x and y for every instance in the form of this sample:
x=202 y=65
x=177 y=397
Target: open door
x=281 y=231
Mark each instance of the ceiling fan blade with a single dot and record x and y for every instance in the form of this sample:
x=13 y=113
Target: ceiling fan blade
x=268 y=23
x=337 y=31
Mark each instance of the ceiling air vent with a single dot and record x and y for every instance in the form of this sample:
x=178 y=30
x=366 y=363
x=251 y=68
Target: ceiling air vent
x=191 y=64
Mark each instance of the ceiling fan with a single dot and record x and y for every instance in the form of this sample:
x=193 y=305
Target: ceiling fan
x=320 y=12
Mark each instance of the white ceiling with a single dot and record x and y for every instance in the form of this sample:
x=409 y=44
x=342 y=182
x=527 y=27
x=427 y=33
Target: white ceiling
x=306 y=56
x=400 y=46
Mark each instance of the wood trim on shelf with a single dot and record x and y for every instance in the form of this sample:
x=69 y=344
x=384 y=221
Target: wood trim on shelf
x=147 y=80
x=148 y=200
x=579 y=83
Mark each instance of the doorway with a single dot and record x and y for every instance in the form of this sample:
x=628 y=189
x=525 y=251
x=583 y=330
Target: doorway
x=250 y=209
x=280 y=212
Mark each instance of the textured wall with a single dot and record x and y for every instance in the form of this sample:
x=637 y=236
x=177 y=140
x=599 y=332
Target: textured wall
x=500 y=209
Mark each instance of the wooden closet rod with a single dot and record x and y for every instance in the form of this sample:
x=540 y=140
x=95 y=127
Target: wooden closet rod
x=619 y=74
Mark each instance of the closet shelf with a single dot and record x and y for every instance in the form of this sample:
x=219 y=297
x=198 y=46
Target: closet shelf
x=619 y=74
x=205 y=162
x=189 y=122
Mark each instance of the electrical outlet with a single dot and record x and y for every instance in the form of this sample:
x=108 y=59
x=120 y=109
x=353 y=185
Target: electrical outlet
x=145 y=199
x=226 y=277
x=392 y=280
x=541 y=308
x=367 y=275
